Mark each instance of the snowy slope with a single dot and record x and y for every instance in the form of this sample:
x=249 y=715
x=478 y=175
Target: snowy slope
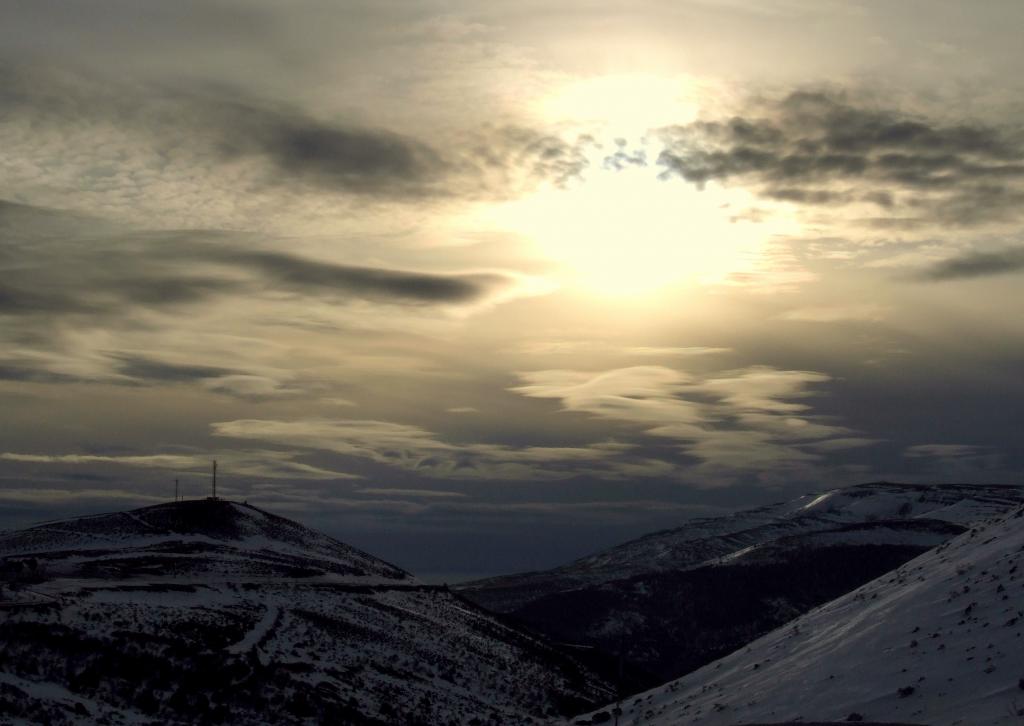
x=668 y=624
x=196 y=537
x=701 y=541
x=940 y=641
x=214 y=611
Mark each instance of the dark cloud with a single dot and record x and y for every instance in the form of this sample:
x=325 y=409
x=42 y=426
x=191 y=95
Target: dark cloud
x=151 y=369
x=977 y=264
x=820 y=147
x=30 y=374
x=806 y=196
x=54 y=273
x=18 y=301
x=165 y=291
x=504 y=159
x=29 y=220
x=48 y=290
x=314 y=277
x=333 y=155
x=329 y=155
x=81 y=303
x=224 y=124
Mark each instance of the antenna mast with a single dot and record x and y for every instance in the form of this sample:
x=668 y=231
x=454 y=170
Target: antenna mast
x=177 y=496
x=214 y=479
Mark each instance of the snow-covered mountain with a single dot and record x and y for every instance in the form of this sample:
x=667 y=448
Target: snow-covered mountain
x=939 y=641
x=673 y=601
x=212 y=539
x=215 y=611
x=701 y=541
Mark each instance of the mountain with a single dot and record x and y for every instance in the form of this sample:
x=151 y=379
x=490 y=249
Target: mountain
x=938 y=642
x=673 y=601
x=211 y=611
x=704 y=539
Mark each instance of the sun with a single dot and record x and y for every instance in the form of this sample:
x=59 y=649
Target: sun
x=625 y=230
x=630 y=233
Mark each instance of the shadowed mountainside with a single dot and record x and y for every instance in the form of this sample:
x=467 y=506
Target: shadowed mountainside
x=673 y=601
x=936 y=641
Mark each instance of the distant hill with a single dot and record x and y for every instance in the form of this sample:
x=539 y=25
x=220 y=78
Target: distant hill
x=938 y=642
x=211 y=611
x=675 y=600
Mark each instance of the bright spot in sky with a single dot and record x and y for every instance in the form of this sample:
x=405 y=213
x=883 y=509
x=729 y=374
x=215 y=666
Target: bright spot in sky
x=627 y=233
x=623 y=104
x=623 y=232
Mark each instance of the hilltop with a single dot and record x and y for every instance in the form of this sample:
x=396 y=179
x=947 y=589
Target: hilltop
x=208 y=538
x=211 y=611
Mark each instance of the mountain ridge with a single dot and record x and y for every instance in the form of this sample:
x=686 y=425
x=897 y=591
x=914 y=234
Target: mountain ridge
x=717 y=586
x=702 y=539
x=212 y=611
x=936 y=641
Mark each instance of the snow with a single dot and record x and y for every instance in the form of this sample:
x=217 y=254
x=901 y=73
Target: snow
x=215 y=538
x=258 y=632
x=49 y=691
x=817 y=500
x=938 y=642
x=177 y=585
x=714 y=540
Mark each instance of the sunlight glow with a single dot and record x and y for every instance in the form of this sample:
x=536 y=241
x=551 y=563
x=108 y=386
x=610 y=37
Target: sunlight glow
x=623 y=104
x=621 y=231
x=627 y=233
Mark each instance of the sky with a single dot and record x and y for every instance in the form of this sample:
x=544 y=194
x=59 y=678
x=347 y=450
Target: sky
x=485 y=287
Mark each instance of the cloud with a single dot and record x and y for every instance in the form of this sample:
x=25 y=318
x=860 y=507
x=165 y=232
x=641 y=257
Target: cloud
x=623 y=158
x=976 y=264
x=92 y=272
x=259 y=464
x=963 y=462
x=51 y=497
x=252 y=387
x=491 y=161
x=745 y=420
x=328 y=155
x=591 y=348
x=151 y=369
x=415 y=449
x=826 y=148
x=110 y=294
x=226 y=124
x=236 y=145
x=160 y=461
x=313 y=276
x=35 y=222
x=639 y=394
x=763 y=389
x=693 y=350
x=509 y=159
x=416 y=493
x=81 y=300
x=842 y=444
x=17 y=371
x=943 y=451
x=835 y=313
